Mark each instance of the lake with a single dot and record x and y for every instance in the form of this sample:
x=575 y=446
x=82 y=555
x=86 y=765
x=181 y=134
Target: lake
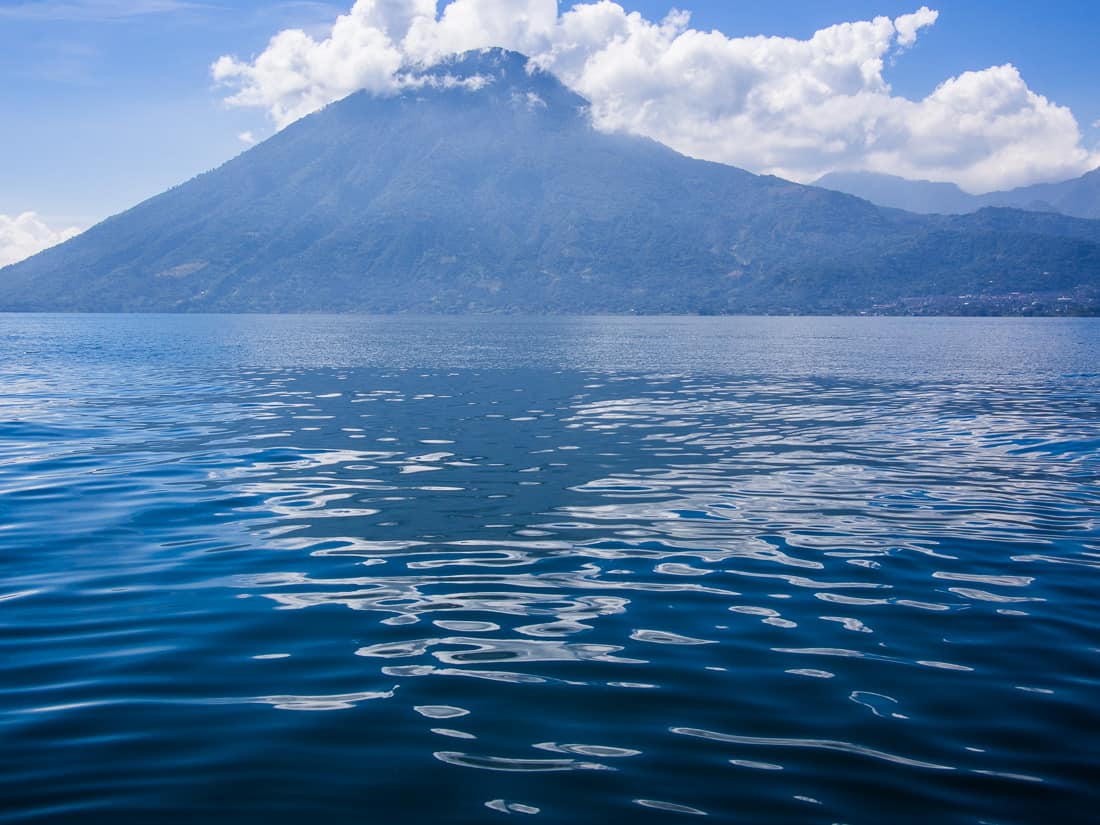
x=424 y=570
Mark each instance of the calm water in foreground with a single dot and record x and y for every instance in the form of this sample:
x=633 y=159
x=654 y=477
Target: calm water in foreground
x=308 y=569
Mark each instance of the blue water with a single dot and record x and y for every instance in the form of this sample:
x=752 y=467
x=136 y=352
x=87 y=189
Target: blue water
x=407 y=570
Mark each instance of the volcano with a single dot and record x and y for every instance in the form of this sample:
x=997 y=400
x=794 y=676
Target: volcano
x=483 y=186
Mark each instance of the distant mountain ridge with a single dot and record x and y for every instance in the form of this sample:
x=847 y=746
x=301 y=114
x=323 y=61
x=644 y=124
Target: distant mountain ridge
x=485 y=188
x=1079 y=197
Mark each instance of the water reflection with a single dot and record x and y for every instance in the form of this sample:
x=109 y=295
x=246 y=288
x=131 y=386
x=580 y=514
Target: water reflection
x=793 y=594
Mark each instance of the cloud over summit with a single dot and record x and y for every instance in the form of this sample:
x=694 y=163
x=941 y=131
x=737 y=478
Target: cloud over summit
x=795 y=108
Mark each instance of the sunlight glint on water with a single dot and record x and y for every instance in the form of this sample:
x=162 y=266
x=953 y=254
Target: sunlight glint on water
x=582 y=570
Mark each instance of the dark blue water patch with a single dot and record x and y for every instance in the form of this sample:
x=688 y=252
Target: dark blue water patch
x=579 y=570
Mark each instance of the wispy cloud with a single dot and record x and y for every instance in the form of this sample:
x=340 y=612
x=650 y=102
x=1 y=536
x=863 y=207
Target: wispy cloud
x=66 y=61
x=307 y=5
x=93 y=10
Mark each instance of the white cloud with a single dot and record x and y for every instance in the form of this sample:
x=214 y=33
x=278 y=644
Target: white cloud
x=909 y=24
x=795 y=108
x=247 y=138
x=26 y=234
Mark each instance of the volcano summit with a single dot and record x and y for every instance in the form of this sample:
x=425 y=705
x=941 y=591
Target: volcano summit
x=484 y=187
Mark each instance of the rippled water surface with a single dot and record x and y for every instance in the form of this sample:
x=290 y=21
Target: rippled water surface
x=593 y=570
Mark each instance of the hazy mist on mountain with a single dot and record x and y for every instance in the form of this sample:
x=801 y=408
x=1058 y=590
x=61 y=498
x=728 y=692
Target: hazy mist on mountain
x=1078 y=198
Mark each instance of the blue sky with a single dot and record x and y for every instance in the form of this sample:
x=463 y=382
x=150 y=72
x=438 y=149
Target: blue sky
x=107 y=102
